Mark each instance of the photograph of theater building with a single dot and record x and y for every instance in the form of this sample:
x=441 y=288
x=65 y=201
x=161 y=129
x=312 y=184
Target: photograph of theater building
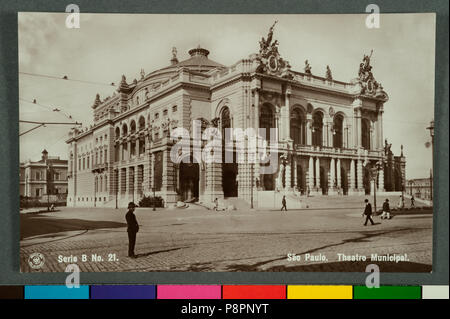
x=330 y=132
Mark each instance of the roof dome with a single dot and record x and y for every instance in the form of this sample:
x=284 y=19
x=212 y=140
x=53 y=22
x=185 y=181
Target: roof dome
x=199 y=59
x=198 y=62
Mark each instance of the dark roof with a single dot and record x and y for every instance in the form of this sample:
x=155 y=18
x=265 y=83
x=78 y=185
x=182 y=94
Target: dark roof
x=199 y=59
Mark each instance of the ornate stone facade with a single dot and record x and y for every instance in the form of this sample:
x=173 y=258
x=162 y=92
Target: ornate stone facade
x=330 y=132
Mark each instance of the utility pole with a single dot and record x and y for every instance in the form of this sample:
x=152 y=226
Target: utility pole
x=431 y=128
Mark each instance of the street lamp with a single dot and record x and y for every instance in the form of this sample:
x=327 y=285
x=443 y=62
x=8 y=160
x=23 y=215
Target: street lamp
x=431 y=128
x=48 y=186
x=374 y=173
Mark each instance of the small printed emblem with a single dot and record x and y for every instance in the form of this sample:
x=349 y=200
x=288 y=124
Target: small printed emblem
x=36 y=260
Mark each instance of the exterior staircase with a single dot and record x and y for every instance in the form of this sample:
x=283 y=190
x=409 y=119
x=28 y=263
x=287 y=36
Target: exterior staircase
x=272 y=200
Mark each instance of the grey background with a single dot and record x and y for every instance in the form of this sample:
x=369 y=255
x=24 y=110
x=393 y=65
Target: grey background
x=9 y=154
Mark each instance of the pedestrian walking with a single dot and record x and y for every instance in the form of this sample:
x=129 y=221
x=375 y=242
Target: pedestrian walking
x=368 y=212
x=283 y=203
x=132 y=229
x=386 y=210
x=413 y=201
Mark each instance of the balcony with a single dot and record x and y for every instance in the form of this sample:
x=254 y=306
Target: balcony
x=99 y=167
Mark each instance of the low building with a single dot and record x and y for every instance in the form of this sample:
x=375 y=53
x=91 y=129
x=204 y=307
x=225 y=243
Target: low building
x=48 y=176
x=420 y=188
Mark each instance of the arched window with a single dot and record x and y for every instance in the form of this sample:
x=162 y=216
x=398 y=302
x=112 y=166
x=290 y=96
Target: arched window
x=117 y=132
x=298 y=126
x=338 y=131
x=317 y=129
x=141 y=123
x=132 y=127
x=124 y=130
x=225 y=120
x=267 y=119
x=365 y=134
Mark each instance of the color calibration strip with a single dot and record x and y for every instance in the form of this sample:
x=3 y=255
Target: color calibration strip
x=223 y=292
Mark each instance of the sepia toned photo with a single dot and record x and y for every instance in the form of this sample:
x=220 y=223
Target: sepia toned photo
x=226 y=143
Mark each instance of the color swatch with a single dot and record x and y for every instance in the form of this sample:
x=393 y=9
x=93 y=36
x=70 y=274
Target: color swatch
x=189 y=292
x=123 y=292
x=388 y=292
x=253 y=292
x=320 y=292
x=56 y=292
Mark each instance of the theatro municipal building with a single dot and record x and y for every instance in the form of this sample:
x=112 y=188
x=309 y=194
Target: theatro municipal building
x=330 y=133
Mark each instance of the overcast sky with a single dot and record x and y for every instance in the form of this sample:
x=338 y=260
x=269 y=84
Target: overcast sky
x=109 y=45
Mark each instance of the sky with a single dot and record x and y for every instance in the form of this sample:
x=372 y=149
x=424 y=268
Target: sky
x=109 y=45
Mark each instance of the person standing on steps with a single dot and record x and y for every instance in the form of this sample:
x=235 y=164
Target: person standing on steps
x=132 y=229
x=368 y=212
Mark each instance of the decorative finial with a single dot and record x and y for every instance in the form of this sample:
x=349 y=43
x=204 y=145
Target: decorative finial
x=401 y=149
x=123 y=86
x=328 y=74
x=174 y=59
x=142 y=74
x=97 y=101
x=307 y=67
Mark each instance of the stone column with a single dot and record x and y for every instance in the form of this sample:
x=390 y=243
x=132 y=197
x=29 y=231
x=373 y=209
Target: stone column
x=168 y=179
x=311 y=174
x=359 y=176
x=131 y=183
x=380 y=131
x=136 y=147
x=287 y=124
x=338 y=173
x=330 y=134
x=287 y=176
x=332 y=178
x=318 y=188
x=352 y=185
x=308 y=129
x=151 y=180
x=213 y=187
x=137 y=184
x=381 y=180
x=294 y=172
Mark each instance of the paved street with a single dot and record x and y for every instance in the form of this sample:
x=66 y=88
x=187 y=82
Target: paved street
x=196 y=239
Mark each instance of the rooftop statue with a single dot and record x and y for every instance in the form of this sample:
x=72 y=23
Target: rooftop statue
x=307 y=67
x=369 y=86
x=328 y=74
x=269 y=58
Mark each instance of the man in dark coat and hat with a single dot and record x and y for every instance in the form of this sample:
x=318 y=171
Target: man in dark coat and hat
x=368 y=212
x=132 y=229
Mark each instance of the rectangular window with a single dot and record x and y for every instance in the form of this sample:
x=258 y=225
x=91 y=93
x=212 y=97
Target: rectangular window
x=106 y=156
x=174 y=109
x=79 y=164
x=156 y=116
x=165 y=112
